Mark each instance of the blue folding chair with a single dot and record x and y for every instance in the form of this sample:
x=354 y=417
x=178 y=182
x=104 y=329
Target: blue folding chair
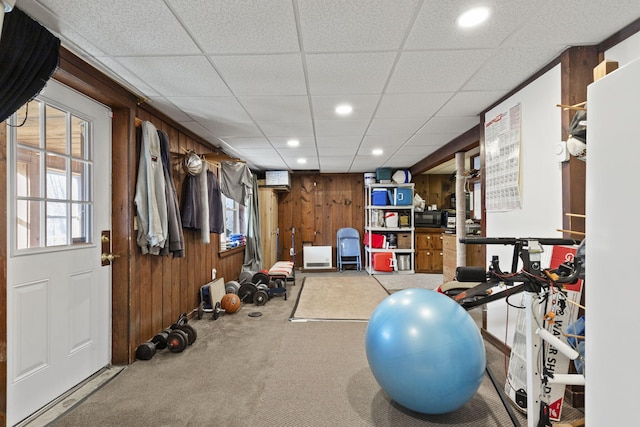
x=348 y=248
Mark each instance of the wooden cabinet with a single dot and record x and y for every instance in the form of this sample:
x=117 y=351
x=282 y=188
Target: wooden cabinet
x=475 y=257
x=429 y=255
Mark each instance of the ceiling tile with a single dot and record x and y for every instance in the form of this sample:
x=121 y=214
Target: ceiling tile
x=348 y=73
x=404 y=105
x=354 y=25
x=311 y=164
x=277 y=108
x=177 y=75
x=198 y=129
x=338 y=141
x=282 y=142
x=287 y=129
x=435 y=26
x=469 y=103
x=248 y=75
x=433 y=71
x=522 y=64
x=341 y=127
x=571 y=22
x=384 y=141
x=437 y=139
x=141 y=87
x=248 y=143
x=330 y=164
x=395 y=126
x=345 y=150
x=229 y=128
x=208 y=107
x=366 y=164
x=363 y=106
x=253 y=75
x=124 y=27
x=255 y=26
x=294 y=153
x=168 y=108
x=450 y=125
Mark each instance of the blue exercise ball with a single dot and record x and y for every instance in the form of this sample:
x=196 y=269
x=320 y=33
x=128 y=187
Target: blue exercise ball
x=425 y=351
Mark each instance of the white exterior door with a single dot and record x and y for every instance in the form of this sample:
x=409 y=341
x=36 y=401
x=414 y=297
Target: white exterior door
x=58 y=292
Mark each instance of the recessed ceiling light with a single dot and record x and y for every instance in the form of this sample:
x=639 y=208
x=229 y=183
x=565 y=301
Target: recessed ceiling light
x=302 y=161
x=473 y=17
x=377 y=151
x=344 y=109
x=293 y=143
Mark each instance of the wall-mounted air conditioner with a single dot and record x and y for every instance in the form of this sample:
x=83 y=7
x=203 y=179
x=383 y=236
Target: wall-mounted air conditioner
x=317 y=257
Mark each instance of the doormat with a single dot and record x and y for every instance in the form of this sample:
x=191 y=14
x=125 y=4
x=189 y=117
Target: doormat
x=338 y=299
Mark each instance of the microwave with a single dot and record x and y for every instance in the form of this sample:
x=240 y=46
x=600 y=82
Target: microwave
x=428 y=219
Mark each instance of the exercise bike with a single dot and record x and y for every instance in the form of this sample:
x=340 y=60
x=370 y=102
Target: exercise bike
x=537 y=284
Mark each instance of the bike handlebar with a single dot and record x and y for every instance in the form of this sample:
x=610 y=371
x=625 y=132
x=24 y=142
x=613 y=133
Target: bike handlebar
x=514 y=240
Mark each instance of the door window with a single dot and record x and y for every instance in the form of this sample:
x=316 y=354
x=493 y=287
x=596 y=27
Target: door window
x=52 y=203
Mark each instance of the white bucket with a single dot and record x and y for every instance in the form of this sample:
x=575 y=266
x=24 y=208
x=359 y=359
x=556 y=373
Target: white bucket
x=404 y=262
x=369 y=178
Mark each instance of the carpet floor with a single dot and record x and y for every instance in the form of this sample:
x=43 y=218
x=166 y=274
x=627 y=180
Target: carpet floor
x=268 y=371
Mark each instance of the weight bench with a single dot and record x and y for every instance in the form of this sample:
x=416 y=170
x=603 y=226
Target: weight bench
x=282 y=270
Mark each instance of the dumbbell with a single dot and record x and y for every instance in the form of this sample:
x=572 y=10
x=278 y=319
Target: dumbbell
x=177 y=340
x=147 y=350
x=262 y=294
x=181 y=325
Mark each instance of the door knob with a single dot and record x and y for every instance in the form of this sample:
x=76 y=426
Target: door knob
x=108 y=257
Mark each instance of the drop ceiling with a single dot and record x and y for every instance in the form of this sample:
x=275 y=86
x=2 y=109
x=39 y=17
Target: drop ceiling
x=248 y=76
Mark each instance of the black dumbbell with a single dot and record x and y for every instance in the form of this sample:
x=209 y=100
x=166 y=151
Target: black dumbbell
x=181 y=324
x=177 y=340
x=147 y=350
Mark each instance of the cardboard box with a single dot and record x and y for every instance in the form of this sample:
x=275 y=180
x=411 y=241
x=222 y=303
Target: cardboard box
x=604 y=68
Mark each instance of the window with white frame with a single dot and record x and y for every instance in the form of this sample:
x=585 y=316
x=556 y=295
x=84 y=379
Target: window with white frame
x=235 y=221
x=51 y=187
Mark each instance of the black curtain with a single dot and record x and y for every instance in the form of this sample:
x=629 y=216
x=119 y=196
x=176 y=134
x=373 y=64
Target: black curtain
x=29 y=55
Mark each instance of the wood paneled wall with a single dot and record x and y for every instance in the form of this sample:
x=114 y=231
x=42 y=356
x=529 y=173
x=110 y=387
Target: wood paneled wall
x=434 y=189
x=165 y=287
x=316 y=207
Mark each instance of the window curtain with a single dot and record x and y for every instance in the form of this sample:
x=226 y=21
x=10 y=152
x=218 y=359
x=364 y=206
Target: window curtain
x=253 y=250
x=29 y=55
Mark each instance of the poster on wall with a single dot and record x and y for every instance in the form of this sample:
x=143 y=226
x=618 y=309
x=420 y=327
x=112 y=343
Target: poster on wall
x=502 y=160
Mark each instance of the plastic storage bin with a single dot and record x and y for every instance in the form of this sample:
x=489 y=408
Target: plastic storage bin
x=379 y=197
x=383 y=261
x=383 y=175
x=400 y=196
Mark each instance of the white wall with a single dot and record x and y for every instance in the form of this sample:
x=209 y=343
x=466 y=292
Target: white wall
x=541 y=183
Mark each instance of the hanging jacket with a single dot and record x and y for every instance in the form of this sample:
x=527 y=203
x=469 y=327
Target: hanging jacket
x=195 y=205
x=150 y=198
x=175 y=237
x=216 y=211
